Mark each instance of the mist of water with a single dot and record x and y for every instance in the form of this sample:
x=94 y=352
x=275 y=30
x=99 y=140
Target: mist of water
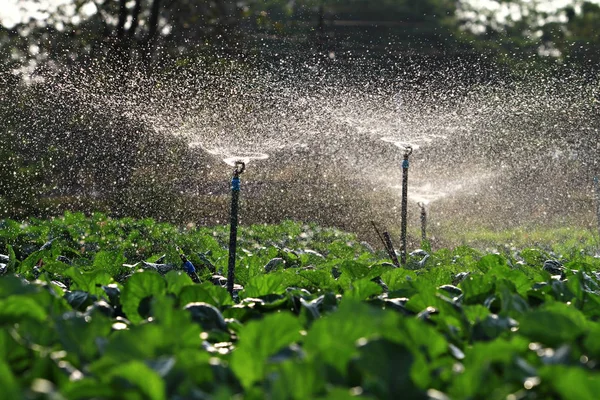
x=510 y=153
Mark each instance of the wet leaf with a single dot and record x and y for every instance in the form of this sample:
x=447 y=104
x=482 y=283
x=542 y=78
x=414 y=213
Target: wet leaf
x=295 y=380
x=17 y=308
x=207 y=315
x=332 y=340
x=249 y=360
x=138 y=287
x=176 y=281
x=572 y=383
x=553 y=325
x=10 y=385
x=145 y=379
x=91 y=282
x=263 y=285
x=205 y=292
x=385 y=369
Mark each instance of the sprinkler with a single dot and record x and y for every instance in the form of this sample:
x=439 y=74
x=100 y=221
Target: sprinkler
x=423 y=222
x=188 y=267
x=240 y=166
x=597 y=190
x=407 y=152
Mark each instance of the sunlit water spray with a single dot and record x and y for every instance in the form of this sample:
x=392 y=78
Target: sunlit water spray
x=519 y=152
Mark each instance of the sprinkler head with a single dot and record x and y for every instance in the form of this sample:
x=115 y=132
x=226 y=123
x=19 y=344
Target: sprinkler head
x=239 y=168
x=408 y=151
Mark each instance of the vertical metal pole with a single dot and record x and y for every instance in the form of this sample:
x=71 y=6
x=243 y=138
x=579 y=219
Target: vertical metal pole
x=597 y=190
x=404 y=210
x=235 y=196
x=423 y=222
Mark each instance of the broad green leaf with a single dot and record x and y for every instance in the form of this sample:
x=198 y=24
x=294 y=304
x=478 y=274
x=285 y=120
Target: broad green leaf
x=333 y=339
x=175 y=319
x=519 y=281
x=80 y=300
x=109 y=261
x=15 y=308
x=12 y=285
x=385 y=369
x=8 y=383
x=344 y=393
x=363 y=289
x=311 y=280
x=553 y=325
x=397 y=278
x=490 y=261
x=138 y=287
x=33 y=259
x=354 y=270
x=207 y=293
x=436 y=277
x=263 y=285
x=145 y=379
x=207 y=315
x=533 y=257
x=258 y=340
x=12 y=259
x=491 y=327
x=486 y=367
x=591 y=342
x=295 y=380
x=90 y=282
x=140 y=342
x=418 y=335
x=572 y=383
x=79 y=334
x=176 y=281
x=475 y=313
x=511 y=302
x=87 y=388
x=477 y=288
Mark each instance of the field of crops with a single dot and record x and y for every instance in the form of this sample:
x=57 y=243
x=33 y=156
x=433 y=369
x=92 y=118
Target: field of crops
x=102 y=308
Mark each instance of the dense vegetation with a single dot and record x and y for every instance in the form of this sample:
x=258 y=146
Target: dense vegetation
x=100 y=308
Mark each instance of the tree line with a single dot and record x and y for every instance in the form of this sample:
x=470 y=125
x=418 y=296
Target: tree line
x=145 y=33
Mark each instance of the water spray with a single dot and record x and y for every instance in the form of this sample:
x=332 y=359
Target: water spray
x=404 y=212
x=423 y=222
x=239 y=168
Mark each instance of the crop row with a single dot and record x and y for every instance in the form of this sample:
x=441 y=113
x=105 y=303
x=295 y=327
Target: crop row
x=86 y=312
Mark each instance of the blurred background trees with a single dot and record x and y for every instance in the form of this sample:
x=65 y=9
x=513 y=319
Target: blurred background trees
x=134 y=32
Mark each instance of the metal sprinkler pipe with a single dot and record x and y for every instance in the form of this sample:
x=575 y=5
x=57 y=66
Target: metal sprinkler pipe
x=240 y=166
x=597 y=190
x=404 y=211
x=423 y=222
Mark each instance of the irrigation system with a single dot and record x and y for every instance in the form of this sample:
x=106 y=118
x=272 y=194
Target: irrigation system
x=423 y=221
x=239 y=168
x=597 y=190
x=404 y=211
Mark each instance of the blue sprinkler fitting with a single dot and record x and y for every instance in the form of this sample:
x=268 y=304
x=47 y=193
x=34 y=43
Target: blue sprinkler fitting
x=188 y=267
x=235 y=184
